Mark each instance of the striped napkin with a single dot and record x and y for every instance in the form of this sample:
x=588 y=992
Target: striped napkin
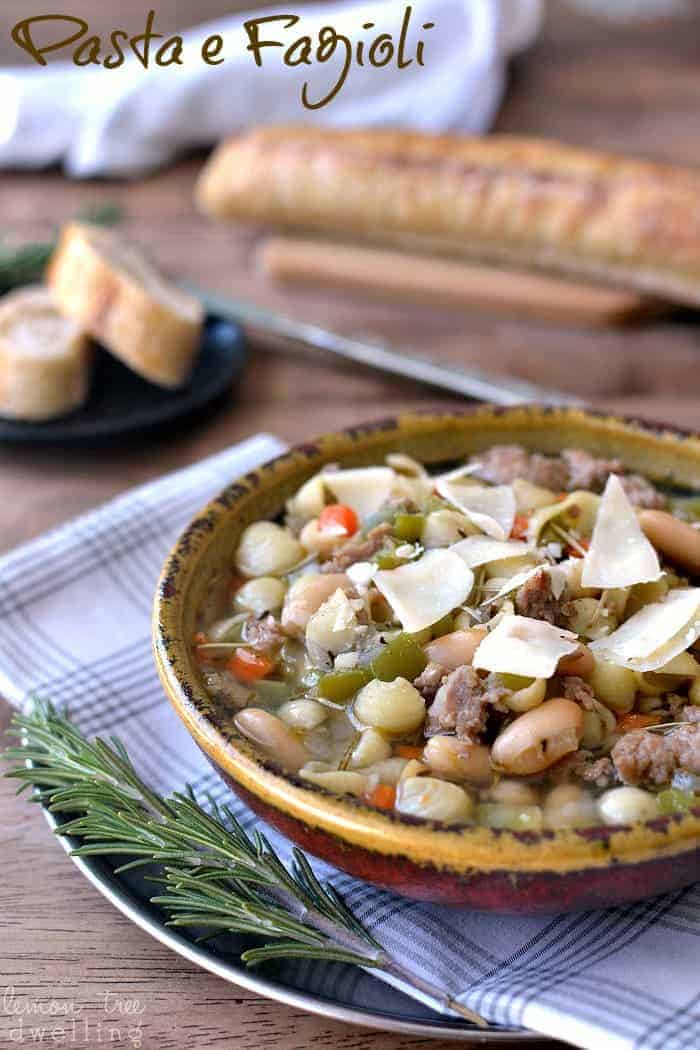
x=608 y=980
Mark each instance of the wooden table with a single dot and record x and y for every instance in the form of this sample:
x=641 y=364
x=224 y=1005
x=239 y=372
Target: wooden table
x=635 y=89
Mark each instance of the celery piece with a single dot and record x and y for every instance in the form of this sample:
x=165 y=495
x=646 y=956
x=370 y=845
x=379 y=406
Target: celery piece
x=409 y=527
x=340 y=686
x=674 y=801
x=400 y=658
x=516 y=681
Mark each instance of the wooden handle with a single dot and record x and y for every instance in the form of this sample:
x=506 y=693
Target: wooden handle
x=441 y=282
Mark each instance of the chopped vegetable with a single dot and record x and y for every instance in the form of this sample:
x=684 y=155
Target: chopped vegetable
x=249 y=666
x=340 y=686
x=637 y=721
x=408 y=751
x=383 y=796
x=674 y=801
x=409 y=527
x=520 y=527
x=338 y=518
x=400 y=658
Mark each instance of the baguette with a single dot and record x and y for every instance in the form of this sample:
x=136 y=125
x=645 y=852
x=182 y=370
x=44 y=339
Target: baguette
x=44 y=358
x=515 y=201
x=109 y=288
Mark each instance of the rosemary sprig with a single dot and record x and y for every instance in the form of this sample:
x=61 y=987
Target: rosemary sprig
x=213 y=875
x=25 y=263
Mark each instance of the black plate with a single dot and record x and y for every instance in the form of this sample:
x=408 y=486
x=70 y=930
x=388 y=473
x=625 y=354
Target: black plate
x=335 y=990
x=122 y=404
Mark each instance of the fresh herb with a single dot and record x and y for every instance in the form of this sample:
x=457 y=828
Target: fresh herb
x=214 y=875
x=25 y=263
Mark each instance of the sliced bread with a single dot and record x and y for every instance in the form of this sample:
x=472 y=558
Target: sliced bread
x=108 y=287
x=44 y=358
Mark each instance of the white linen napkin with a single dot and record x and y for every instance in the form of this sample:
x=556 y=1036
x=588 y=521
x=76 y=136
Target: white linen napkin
x=75 y=628
x=125 y=121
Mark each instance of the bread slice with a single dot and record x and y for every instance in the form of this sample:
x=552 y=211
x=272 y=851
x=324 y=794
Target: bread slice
x=523 y=203
x=44 y=358
x=108 y=287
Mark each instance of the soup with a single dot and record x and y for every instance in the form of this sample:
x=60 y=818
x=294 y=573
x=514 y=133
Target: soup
x=510 y=642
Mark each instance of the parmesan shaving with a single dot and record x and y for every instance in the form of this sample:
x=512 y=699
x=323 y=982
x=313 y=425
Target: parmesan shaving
x=365 y=489
x=480 y=550
x=656 y=634
x=522 y=646
x=492 y=509
x=620 y=555
x=424 y=591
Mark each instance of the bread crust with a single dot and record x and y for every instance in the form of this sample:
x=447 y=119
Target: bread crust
x=44 y=358
x=522 y=202
x=111 y=290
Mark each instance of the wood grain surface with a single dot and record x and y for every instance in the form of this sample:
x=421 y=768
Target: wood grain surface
x=634 y=88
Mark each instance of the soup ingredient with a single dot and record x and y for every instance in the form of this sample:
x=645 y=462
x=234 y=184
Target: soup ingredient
x=580 y=663
x=526 y=696
x=264 y=595
x=341 y=686
x=619 y=555
x=399 y=658
x=455 y=649
x=274 y=737
x=358 y=548
x=490 y=509
x=395 y=707
x=627 y=805
x=338 y=516
x=302 y=714
x=569 y=806
x=462 y=703
x=655 y=634
x=510 y=817
x=523 y=646
x=333 y=628
x=677 y=540
x=644 y=756
x=480 y=550
x=433 y=799
x=364 y=489
x=249 y=666
x=423 y=591
x=539 y=738
x=458 y=760
x=306 y=595
x=383 y=796
x=341 y=781
x=372 y=747
x=267 y=549
x=537 y=600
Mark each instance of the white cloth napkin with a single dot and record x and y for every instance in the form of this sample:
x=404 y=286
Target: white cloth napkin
x=124 y=121
x=75 y=627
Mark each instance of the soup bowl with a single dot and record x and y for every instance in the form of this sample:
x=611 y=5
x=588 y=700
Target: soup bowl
x=490 y=869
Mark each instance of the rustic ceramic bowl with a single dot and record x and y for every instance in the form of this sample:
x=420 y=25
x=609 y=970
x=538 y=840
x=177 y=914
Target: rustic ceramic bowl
x=529 y=872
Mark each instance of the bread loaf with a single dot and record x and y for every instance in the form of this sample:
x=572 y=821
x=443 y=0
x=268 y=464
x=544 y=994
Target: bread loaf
x=44 y=358
x=109 y=288
x=515 y=201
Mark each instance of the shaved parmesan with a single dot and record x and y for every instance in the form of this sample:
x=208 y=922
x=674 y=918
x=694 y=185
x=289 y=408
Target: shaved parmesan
x=522 y=646
x=492 y=509
x=656 y=634
x=424 y=591
x=620 y=555
x=365 y=489
x=480 y=550
x=556 y=576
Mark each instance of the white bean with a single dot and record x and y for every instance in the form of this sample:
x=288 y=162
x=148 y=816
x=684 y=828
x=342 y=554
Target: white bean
x=569 y=806
x=395 y=707
x=413 y=768
x=267 y=549
x=455 y=649
x=678 y=540
x=273 y=736
x=303 y=714
x=261 y=596
x=627 y=805
x=514 y=793
x=372 y=747
x=458 y=760
x=433 y=799
x=539 y=738
x=306 y=595
x=512 y=817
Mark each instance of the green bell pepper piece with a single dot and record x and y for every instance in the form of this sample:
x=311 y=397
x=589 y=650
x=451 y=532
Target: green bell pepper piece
x=408 y=527
x=674 y=801
x=402 y=657
x=340 y=686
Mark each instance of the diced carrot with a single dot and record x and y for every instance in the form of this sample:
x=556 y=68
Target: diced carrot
x=520 y=527
x=338 y=516
x=561 y=496
x=408 y=751
x=249 y=666
x=383 y=796
x=637 y=721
